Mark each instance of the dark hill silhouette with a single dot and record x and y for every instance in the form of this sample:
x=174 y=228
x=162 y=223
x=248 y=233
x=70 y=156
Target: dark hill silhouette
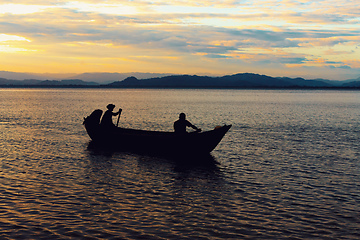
x=67 y=82
x=352 y=84
x=107 y=77
x=240 y=80
x=50 y=83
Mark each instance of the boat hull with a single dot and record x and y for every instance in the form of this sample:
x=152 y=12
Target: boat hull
x=153 y=141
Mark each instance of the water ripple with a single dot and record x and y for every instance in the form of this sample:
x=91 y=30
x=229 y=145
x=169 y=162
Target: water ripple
x=286 y=170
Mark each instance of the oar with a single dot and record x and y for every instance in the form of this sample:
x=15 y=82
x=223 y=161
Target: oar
x=117 y=123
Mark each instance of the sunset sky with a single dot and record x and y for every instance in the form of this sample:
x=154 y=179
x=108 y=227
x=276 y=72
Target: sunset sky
x=310 y=39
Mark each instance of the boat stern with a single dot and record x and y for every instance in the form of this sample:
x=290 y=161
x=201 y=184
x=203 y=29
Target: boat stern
x=92 y=124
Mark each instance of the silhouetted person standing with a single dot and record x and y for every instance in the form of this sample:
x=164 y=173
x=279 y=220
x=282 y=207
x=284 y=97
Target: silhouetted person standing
x=181 y=124
x=106 y=120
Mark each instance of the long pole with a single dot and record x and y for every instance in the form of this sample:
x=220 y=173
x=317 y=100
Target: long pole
x=117 y=123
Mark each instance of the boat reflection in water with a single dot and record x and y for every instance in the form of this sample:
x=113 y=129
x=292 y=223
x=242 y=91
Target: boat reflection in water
x=182 y=162
x=153 y=142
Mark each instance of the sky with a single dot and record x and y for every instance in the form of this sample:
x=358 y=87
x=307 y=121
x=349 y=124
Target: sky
x=279 y=38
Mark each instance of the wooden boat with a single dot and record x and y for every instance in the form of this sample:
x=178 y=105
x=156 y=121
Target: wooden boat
x=153 y=141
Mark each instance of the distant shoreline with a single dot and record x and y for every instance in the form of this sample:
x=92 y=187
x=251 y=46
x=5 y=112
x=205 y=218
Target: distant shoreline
x=172 y=87
x=235 y=81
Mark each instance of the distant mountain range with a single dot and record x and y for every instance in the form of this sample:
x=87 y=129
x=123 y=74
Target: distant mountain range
x=98 y=77
x=240 y=80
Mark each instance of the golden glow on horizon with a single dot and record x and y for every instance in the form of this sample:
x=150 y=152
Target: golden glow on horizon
x=319 y=38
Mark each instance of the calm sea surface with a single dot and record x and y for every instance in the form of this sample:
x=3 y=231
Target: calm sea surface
x=289 y=168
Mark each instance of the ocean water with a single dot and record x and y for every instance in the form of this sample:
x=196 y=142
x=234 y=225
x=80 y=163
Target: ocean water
x=289 y=168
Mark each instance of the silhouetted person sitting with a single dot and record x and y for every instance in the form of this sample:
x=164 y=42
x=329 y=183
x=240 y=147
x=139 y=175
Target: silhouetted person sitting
x=106 y=120
x=181 y=124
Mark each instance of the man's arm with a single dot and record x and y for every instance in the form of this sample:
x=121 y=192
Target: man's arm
x=193 y=126
x=117 y=113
